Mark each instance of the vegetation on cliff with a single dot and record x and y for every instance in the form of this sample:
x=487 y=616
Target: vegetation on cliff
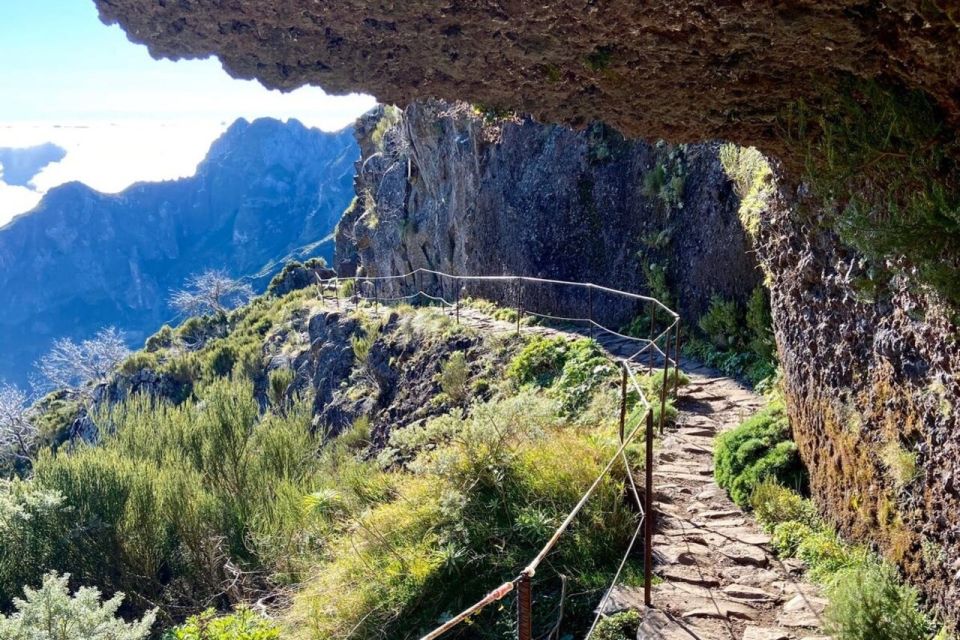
x=222 y=485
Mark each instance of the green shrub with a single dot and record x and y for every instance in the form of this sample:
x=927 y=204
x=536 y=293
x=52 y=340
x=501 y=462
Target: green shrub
x=219 y=359
x=572 y=369
x=825 y=553
x=52 y=613
x=242 y=624
x=165 y=338
x=721 y=323
x=758 y=449
x=619 y=626
x=278 y=383
x=137 y=361
x=788 y=536
x=454 y=377
x=868 y=602
x=774 y=504
x=540 y=362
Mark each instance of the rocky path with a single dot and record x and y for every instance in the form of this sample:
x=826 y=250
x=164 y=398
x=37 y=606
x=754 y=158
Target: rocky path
x=717 y=577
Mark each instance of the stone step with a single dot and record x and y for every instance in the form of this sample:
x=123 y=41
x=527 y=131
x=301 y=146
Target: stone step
x=676 y=475
x=689 y=574
x=723 y=609
x=746 y=592
x=747 y=554
x=765 y=633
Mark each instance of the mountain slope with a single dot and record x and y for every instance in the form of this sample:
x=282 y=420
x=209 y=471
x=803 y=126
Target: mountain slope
x=84 y=259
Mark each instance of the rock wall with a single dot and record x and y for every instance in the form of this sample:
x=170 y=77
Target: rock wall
x=872 y=379
x=445 y=187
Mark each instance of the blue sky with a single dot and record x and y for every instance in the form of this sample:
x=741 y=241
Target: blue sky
x=122 y=116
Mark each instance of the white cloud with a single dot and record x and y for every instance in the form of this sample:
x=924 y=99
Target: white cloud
x=110 y=156
x=14 y=200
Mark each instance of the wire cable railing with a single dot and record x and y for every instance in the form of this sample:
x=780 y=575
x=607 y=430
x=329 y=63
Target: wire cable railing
x=660 y=348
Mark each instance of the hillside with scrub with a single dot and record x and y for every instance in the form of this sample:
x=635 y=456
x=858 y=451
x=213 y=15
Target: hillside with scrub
x=360 y=472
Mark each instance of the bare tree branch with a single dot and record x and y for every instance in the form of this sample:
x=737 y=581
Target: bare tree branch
x=78 y=366
x=212 y=291
x=18 y=433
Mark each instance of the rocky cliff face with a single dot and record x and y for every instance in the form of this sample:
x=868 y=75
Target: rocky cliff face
x=446 y=188
x=872 y=377
x=83 y=260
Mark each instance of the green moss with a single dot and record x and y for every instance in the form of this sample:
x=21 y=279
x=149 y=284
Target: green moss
x=758 y=449
x=884 y=167
x=753 y=180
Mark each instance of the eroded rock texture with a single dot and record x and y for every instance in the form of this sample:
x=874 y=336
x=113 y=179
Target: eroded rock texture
x=663 y=69
x=873 y=395
x=445 y=188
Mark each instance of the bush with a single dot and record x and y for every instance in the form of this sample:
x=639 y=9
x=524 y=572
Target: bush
x=759 y=448
x=788 y=536
x=825 y=553
x=52 y=613
x=619 y=626
x=773 y=504
x=219 y=359
x=138 y=361
x=165 y=338
x=278 y=383
x=243 y=624
x=455 y=376
x=721 y=323
x=867 y=602
x=572 y=369
x=540 y=362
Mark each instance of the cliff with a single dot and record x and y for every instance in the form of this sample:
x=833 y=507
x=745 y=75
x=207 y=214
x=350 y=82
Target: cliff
x=83 y=260
x=448 y=188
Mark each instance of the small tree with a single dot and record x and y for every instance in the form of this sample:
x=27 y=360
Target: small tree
x=78 y=365
x=51 y=613
x=212 y=291
x=17 y=431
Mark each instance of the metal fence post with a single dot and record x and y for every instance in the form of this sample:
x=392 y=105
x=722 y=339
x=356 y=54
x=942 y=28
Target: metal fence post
x=524 y=608
x=676 y=362
x=376 y=298
x=336 y=290
x=666 y=381
x=653 y=329
x=648 y=515
x=519 y=285
x=623 y=398
x=593 y=333
x=457 y=303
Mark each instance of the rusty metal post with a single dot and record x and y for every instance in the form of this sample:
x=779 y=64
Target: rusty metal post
x=666 y=382
x=518 y=285
x=648 y=518
x=676 y=362
x=524 y=608
x=593 y=333
x=457 y=304
x=623 y=398
x=653 y=329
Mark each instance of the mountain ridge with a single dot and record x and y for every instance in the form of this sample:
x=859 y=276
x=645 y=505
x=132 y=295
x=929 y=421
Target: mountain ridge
x=83 y=259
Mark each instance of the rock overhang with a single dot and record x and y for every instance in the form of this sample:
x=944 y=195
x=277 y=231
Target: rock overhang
x=679 y=70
